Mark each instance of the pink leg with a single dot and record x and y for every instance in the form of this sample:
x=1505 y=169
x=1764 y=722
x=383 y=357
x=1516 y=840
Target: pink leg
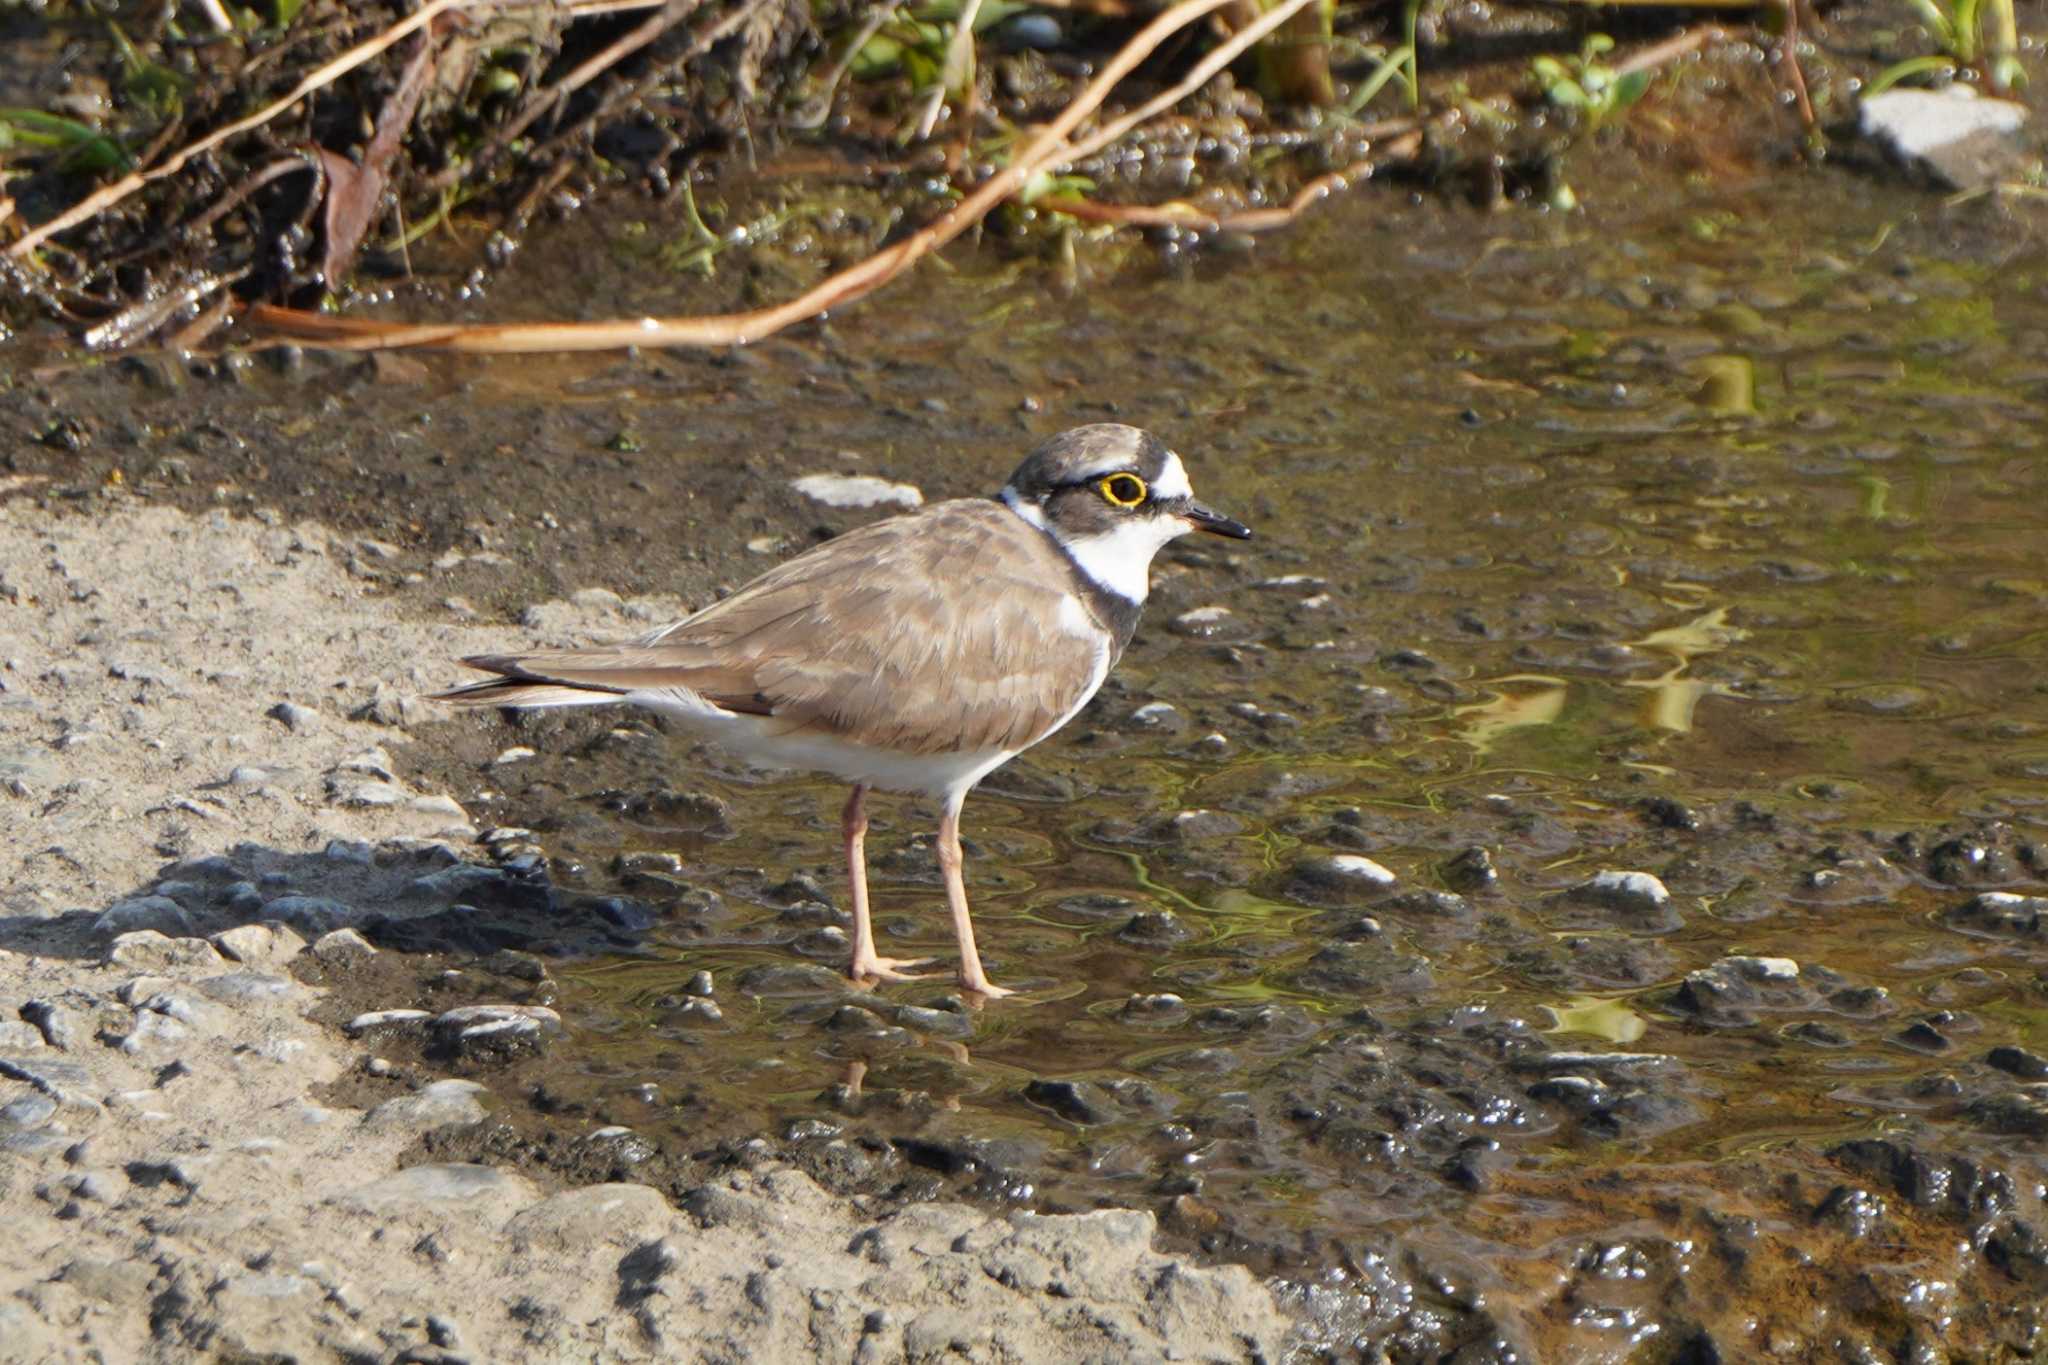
x=971 y=975
x=867 y=965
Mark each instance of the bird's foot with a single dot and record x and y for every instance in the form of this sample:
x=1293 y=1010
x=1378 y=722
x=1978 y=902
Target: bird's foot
x=985 y=988
x=871 y=970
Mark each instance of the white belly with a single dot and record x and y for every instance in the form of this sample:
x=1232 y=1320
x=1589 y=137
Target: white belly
x=764 y=740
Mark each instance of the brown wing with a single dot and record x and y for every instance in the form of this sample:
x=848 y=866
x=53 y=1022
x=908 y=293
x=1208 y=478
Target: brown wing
x=929 y=633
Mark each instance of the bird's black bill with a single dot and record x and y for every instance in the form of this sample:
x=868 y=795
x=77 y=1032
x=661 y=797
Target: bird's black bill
x=1210 y=520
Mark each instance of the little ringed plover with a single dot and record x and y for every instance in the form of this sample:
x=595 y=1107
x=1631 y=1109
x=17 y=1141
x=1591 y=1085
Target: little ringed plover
x=916 y=654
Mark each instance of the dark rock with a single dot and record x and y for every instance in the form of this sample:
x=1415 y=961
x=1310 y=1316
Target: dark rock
x=1922 y=1036
x=1155 y=929
x=312 y=916
x=495 y=1033
x=1081 y=1102
x=1957 y=1185
x=2014 y=1061
x=1853 y=1210
x=2022 y=1112
x=774 y=979
x=698 y=812
x=1367 y=968
x=293 y=716
x=2001 y=913
x=59 y=1026
x=1667 y=813
x=1471 y=870
x=1165 y=1008
x=1433 y=904
x=159 y=913
x=1734 y=990
x=1337 y=879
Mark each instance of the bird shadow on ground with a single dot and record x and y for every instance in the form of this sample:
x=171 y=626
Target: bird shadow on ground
x=403 y=895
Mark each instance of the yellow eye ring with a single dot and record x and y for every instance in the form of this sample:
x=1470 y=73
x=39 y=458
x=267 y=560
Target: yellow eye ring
x=1123 y=490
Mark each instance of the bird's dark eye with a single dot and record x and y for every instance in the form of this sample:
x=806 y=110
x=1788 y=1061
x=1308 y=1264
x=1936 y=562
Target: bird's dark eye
x=1123 y=490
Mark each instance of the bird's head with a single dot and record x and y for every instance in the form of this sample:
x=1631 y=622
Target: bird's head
x=1111 y=495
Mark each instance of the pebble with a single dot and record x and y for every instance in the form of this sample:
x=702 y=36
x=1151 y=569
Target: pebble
x=857 y=490
x=372 y=761
x=19 y=1035
x=59 y=1026
x=1155 y=929
x=1082 y=1102
x=1338 y=878
x=937 y=1023
x=435 y=1105
x=340 y=948
x=2018 y=1061
x=696 y=1011
x=440 y=1189
x=463 y=882
x=437 y=805
x=148 y=950
x=343 y=790
x=2001 y=912
x=246 y=943
x=1471 y=870
x=1202 y=623
x=352 y=851
x=1959 y=138
x=295 y=718
x=388 y=706
x=2021 y=1113
x=623 y=1216
x=1156 y=715
x=239 y=988
x=1163 y=1008
x=28 y=1111
x=1191 y=826
x=1623 y=891
x=497 y=1031
x=312 y=916
x=152 y=1029
x=518 y=753
x=374 y=1020
x=159 y=913
x=139 y=988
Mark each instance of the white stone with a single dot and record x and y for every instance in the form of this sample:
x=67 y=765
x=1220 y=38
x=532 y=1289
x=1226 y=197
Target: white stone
x=857 y=490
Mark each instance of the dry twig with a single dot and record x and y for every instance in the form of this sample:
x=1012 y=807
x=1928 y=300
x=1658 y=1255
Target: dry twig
x=1049 y=147
x=1671 y=49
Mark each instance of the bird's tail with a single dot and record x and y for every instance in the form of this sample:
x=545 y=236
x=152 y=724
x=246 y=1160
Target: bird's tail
x=517 y=685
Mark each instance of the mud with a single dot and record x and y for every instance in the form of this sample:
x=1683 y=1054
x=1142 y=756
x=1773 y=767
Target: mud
x=1686 y=543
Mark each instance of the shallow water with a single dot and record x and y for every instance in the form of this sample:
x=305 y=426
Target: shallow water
x=1702 y=544
x=1695 y=540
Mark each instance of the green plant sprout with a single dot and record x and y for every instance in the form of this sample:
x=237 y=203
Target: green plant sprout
x=1957 y=27
x=1391 y=64
x=84 y=148
x=1588 y=85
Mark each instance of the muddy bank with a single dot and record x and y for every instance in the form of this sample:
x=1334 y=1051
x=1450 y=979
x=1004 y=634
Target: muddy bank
x=189 y=707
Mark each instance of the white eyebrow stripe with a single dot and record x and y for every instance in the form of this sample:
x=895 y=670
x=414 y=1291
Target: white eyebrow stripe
x=1173 y=480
